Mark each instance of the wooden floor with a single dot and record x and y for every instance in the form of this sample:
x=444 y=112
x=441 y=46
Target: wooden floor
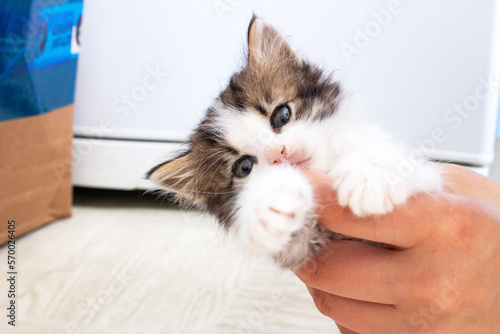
x=125 y=263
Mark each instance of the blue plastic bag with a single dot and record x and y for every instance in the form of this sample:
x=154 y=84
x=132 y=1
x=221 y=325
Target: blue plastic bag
x=39 y=46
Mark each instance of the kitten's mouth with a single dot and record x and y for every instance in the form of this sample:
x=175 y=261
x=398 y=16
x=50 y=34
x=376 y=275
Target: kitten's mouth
x=301 y=163
x=304 y=164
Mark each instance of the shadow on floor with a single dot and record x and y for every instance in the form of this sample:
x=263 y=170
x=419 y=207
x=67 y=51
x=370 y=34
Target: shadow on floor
x=121 y=198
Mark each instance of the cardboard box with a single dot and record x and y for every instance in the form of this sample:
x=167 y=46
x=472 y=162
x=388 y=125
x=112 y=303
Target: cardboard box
x=39 y=45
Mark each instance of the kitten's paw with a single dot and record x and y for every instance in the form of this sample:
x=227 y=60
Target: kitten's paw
x=272 y=207
x=371 y=189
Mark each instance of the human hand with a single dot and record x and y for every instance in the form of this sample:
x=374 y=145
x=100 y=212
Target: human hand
x=441 y=273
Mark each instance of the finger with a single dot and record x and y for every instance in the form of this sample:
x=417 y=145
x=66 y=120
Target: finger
x=355 y=315
x=354 y=270
x=405 y=227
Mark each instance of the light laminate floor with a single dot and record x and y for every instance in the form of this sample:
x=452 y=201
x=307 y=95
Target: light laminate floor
x=126 y=264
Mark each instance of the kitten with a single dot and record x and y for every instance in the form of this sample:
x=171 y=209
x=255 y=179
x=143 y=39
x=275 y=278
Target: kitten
x=278 y=117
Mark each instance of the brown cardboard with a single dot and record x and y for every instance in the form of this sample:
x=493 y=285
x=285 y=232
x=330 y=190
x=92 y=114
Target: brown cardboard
x=35 y=170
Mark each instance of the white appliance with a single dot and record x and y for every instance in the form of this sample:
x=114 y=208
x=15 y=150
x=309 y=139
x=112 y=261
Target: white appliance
x=149 y=69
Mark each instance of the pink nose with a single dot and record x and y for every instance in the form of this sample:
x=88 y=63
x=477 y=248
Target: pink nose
x=276 y=154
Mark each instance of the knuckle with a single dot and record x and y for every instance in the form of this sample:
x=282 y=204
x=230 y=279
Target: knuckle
x=458 y=216
x=308 y=272
x=322 y=302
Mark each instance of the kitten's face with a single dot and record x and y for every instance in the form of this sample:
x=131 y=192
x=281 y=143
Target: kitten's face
x=270 y=113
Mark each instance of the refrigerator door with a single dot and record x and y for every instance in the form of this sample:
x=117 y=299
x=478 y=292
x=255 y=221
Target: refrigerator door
x=427 y=70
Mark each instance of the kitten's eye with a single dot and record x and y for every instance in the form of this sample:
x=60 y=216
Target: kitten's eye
x=243 y=167
x=280 y=117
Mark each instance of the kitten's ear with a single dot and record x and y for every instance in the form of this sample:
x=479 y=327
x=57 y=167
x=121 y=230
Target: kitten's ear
x=177 y=176
x=266 y=45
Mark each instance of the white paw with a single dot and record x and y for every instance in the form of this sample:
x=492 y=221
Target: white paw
x=272 y=206
x=371 y=188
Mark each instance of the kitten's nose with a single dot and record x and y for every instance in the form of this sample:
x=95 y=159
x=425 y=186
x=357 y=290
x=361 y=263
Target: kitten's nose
x=276 y=154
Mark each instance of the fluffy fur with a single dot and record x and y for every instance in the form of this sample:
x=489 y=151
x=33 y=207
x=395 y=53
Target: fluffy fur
x=271 y=210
